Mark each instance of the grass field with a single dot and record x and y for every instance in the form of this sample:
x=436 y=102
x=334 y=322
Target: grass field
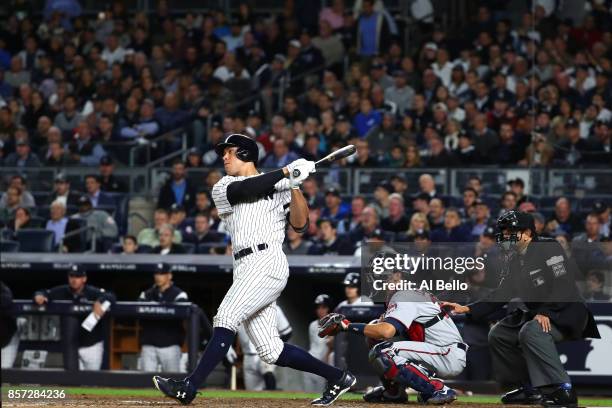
x=93 y=392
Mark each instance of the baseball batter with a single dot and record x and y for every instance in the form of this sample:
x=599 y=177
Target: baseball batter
x=259 y=375
x=255 y=208
x=418 y=341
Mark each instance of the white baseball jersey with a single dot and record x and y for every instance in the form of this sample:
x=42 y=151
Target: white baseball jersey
x=259 y=278
x=439 y=346
x=256 y=222
x=361 y=301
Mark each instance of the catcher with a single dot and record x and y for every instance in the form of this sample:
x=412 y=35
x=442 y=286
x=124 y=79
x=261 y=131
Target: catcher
x=415 y=340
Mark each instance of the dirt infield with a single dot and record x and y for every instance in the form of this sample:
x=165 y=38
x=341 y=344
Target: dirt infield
x=127 y=402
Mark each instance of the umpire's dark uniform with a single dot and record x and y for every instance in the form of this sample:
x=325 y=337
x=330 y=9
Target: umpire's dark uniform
x=543 y=277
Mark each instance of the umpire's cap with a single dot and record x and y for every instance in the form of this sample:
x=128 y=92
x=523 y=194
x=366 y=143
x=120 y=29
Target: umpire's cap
x=352 y=279
x=77 y=270
x=515 y=220
x=323 y=299
x=247 y=148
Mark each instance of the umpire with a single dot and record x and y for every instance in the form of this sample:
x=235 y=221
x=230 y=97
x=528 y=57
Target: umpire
x=162 y=338
x=522 y=343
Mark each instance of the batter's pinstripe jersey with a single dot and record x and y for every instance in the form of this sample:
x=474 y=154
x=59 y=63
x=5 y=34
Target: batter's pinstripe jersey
x=256 y=222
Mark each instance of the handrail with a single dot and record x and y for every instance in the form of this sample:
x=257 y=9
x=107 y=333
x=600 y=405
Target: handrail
x=77 y=232
x=140 y=217
x=148 y=143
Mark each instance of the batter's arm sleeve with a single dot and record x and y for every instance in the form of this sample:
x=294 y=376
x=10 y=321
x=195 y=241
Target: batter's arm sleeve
x=253 y=187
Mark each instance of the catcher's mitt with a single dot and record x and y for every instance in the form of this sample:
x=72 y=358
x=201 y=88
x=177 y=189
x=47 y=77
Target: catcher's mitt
x=331 y=324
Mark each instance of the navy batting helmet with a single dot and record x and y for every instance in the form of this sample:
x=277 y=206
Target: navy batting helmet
x=352 y=279
x=247 y=148
x=323 y=299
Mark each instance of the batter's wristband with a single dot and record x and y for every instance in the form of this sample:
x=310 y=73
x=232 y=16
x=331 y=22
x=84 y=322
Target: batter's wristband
x=357 y=328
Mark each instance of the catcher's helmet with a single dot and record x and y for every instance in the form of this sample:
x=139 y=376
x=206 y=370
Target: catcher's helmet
x=352 y=279
x=514 y=221
x=323 y=299
x=247 y=148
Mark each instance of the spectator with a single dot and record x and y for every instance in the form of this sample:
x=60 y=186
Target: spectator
x=10 y=202
x=564 y=220
x=508 y=152
x=178 y=190
x=517 y=186
x=22 y=219
x=23 y=156
x=57 y=156
x=397 y=221
x=436 y=213
x=18 y=74
x=313 y=196
x=603 y=213
x=280 y=155
x=334 y=15
x=358 y=203
x=295 y=244
x=452 y=231
x=485 y=140
x=169 y=117
x=329 y=43
x=63 y=193
x=419 y=224
x=90 y=343
x=470 y=197
x=373 y=33
x=367 y=118
x=68 y=119
x=83 y=149
x=507 y=202
x=150 y=236
x=363 y=158
x=129 y=245
x=539 y=153
x=166 y=246
x=381 y=138
x=328 y=242
x=202 y=203
x=595 y=281
x=439 y=155
x=591 y=230
x=401 y=94
x=382 y=193
x=571 y=151
x=57 y=221
x=108 y=181
x=97 y=197
x=202 y=234
x=103 y=225
x=162 y=339
x=481 y=218
x=368 y=223
x=334 y=208
x=146 y=126
x=427 y=185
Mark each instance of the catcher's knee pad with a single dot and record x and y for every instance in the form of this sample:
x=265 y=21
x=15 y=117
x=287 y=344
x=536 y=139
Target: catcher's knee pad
x=417 y=377
x=381 y=358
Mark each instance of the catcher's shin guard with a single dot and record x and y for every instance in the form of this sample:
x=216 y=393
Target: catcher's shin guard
x=409 y=374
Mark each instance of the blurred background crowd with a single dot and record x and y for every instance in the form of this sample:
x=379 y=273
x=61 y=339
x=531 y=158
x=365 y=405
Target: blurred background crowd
x=519 y=85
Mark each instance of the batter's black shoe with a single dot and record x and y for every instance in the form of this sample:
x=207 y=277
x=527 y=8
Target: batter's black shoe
x=522 y=396
x=334 y=390
x=181 y=390
x=381 y=394
x=560 y=398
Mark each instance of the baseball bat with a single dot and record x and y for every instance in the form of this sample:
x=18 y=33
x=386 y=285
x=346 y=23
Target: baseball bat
x=346 y=151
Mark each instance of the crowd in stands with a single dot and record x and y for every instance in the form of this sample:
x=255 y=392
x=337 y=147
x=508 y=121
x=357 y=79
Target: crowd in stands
x=76 y=91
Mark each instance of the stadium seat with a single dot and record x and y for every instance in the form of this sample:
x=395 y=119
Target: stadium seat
x=9 y=246
x=144 y=249
x=35 y=240
x=188 y=247
x=37 y=222
x=117 y=248
x=205 y=249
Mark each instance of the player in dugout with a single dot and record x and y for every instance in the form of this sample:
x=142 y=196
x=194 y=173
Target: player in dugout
x=90 y=343
x=523 y=344
x=162 y=338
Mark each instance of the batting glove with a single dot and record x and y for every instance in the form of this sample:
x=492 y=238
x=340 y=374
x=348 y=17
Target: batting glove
x=299 y=171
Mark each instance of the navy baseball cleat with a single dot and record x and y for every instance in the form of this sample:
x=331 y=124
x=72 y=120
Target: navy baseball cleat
x=444 y=396
x=334 y=390
x=181 y=390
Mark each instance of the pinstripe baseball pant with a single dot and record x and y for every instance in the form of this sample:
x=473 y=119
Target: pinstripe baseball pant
x=259 y=279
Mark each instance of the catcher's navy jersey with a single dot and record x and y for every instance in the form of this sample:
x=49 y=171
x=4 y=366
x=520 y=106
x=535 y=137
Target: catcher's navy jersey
x=255 y=222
